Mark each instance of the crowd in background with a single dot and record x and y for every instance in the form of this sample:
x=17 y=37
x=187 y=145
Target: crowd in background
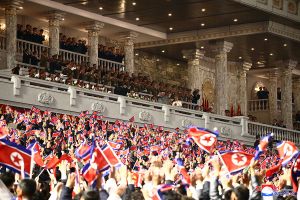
x=70 y=44
x=30 y=34
x=95 y=77
x=148 y=164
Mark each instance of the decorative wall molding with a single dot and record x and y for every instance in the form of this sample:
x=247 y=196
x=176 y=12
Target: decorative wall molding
x=145 y=116
x=208 y=34
x=186 y=123
x=225 y=131
x=99 y=107
x=45 y=98
x=223 y=32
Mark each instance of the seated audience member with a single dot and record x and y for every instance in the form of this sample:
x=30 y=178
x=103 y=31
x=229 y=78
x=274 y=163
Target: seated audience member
x=34 y=60
x=54 y=64
x=196 y=96
x=26 y=56
x=177 y=102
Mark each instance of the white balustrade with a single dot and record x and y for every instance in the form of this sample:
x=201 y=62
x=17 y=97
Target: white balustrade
x=145 y=111
x=108 y=65
x=76 y=57
x=190 y=105
x=23 y=45
x=258 y=105
x=259 y=129
x=2 y=42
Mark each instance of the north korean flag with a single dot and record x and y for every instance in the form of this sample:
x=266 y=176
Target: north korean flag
x=110 y=156
x=99 y=159
x=204 y=138
x=236 y=161
x=286 y=150
x=114 y=145
x=89 y=172
x=263 y=145
x=15 y=157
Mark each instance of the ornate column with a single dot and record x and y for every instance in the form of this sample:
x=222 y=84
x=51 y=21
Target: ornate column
x=93 y=34
x=221 y=86
x=243 y=87
x=11 y=8
x=193 y=56
x=286 y=105
x=296 y=89
x=129 y=39
x=54 y=19
x=273 y=95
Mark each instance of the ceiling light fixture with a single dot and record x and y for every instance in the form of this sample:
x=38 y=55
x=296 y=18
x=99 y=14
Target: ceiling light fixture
x=137 y=19
x=157 y=59
x=171 y=28
x=100 y=8
x=266 y=39
x=240 y=57
x=235 y=20
x=271 y=54
x=84 y=2
x=202 y=47
x=252 y=49
x=21 y=7
x=169 y=14
x=63 y=19
x=285 y=45
x=183 y=57
x=202 y=24
x=163 y=51
x=133 y=3
x=203 y=9
x=177 y=64
x=136 y=54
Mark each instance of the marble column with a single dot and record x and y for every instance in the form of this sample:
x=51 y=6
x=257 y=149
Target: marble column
x=93 y=40
x=129 y=39
x=273 y=95
x=296 y=92
x=11 y=8
x=193 y=56
x=54 y=19
x=286 y=104
x=243 y=87
x=221 y=80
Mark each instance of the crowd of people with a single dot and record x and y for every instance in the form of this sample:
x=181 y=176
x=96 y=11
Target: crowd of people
x=70 y=44
x=148 y=156
x=111 y=53
x=30 y=34
x=96 y=78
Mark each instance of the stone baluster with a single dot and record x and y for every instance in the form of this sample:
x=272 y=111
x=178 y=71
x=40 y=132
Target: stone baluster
x=286 y=106
x=243 y=87
x=11 y=8
x=129 y=39
x=221 y=86
x=93 y=34
x=193 y=56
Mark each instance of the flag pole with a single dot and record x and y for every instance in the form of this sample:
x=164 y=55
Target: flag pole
x=219 y=155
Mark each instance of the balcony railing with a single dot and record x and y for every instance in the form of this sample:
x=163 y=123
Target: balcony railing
x=258 y=105
x=76 y=57
x=2 y=42
x=107 y=65
x=259 y=129
x=27 y=91
x=23 y=45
